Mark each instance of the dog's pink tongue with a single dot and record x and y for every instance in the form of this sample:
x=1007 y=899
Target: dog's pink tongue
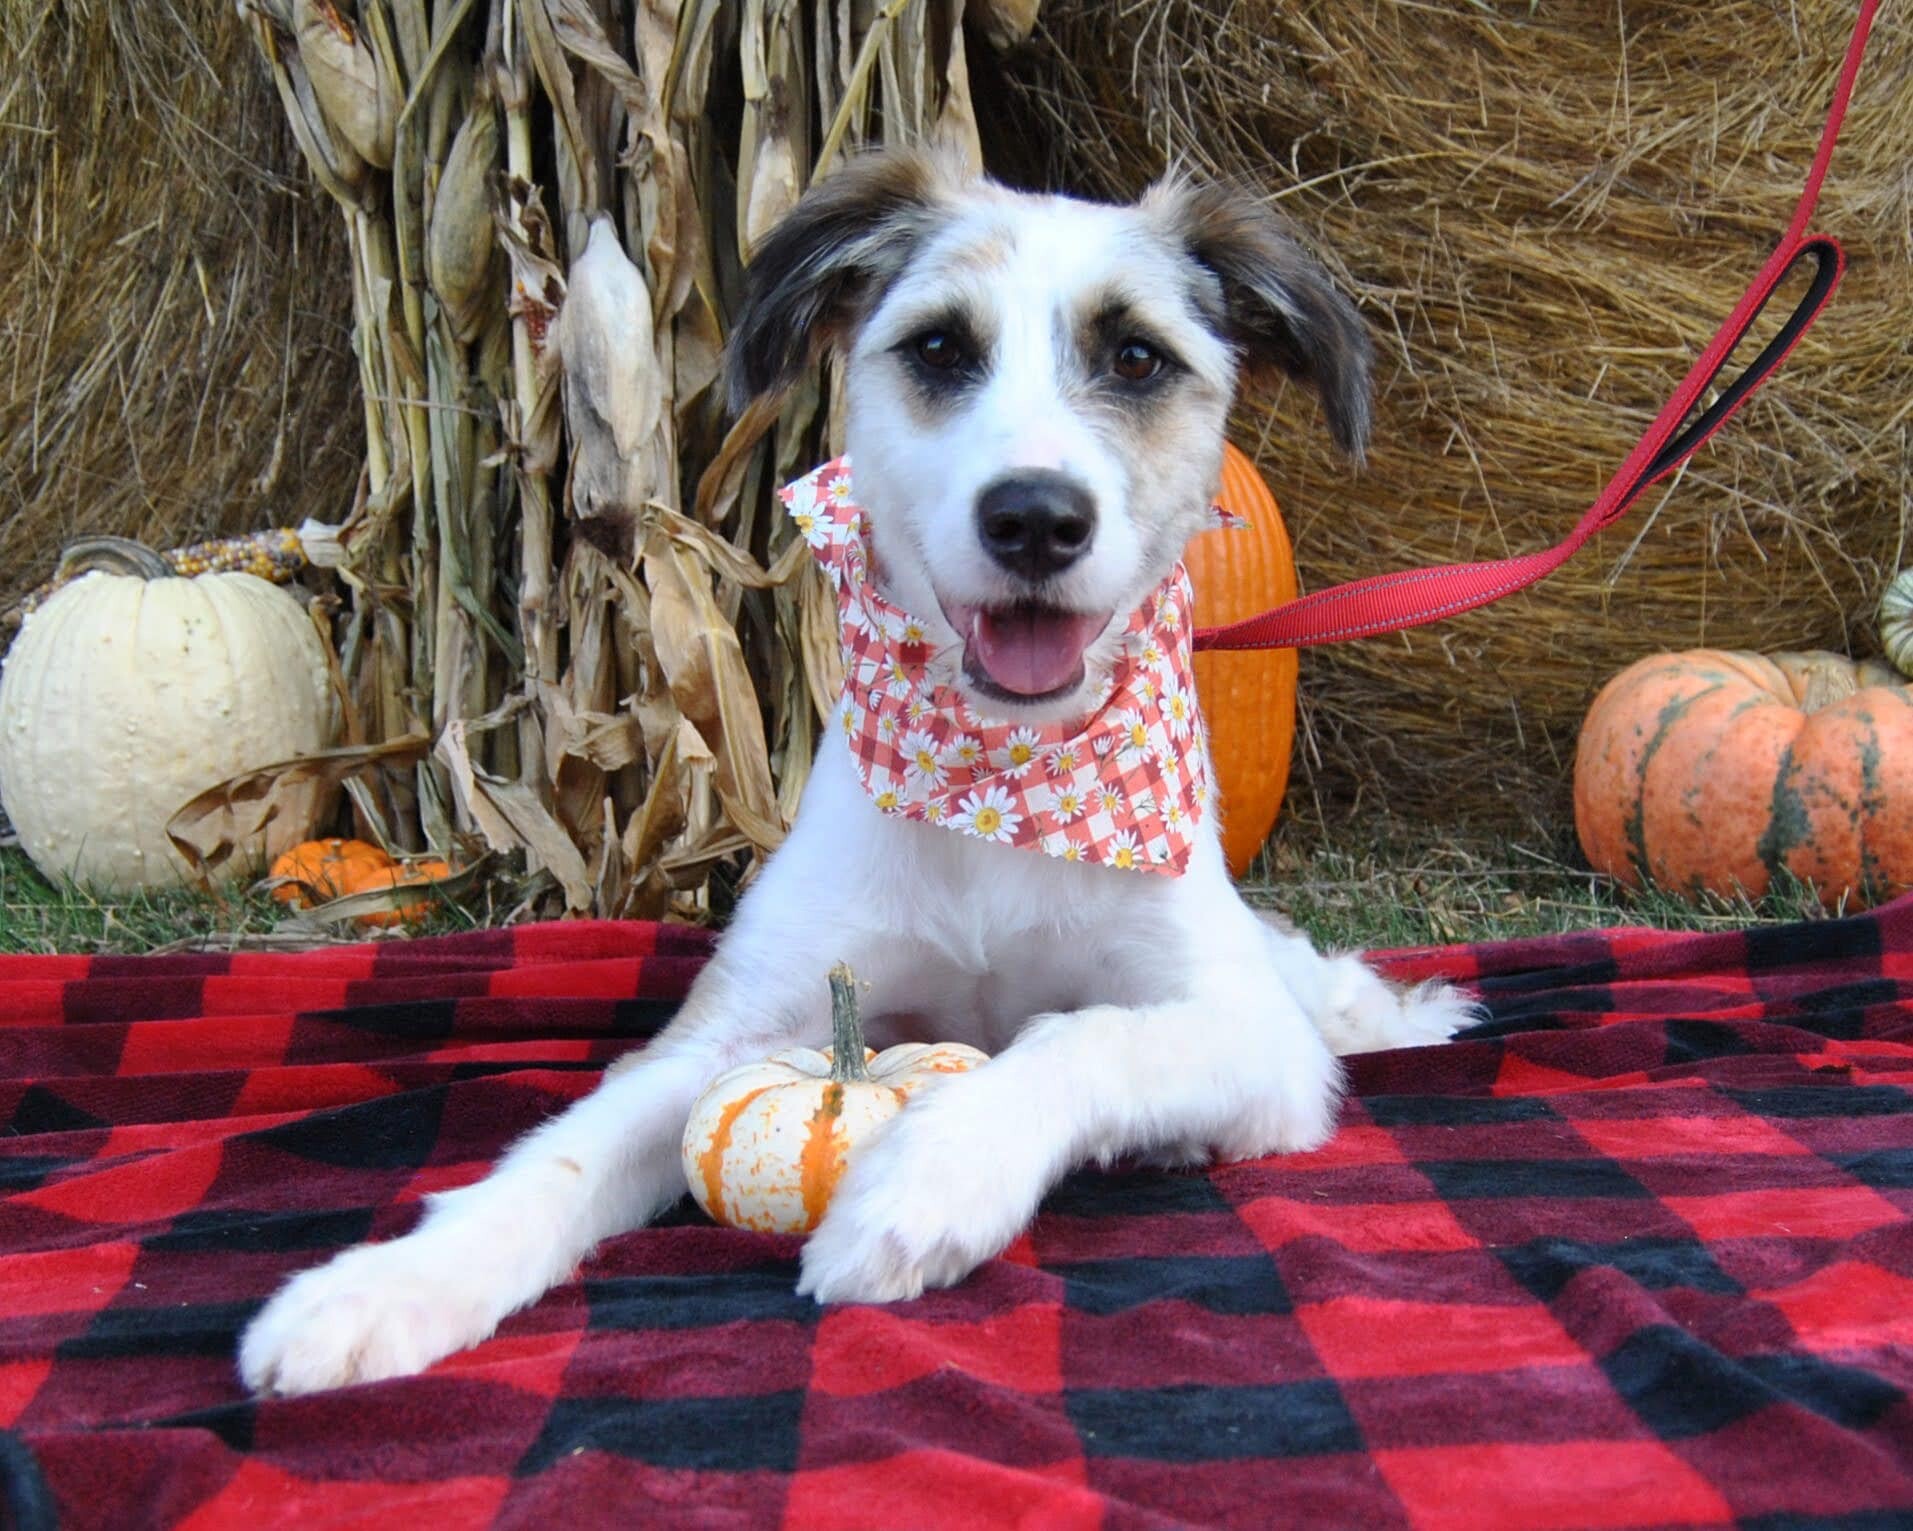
x=1030 y=651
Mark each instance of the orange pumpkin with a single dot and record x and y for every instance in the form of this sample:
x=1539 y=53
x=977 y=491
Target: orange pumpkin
x=412 y=874
x=321 y=870
x=315 y=871
x=1247 y=699
x=1715 y=771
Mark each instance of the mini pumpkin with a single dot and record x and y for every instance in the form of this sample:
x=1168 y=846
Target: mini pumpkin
x=317 y=870
x=1716 y=771
x=767 y=1143
x=423 y=874
x=1247 y=698
x=130 y=690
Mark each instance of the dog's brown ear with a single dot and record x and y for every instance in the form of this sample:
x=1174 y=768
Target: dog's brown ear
x=1272 y=300
x=821 y=266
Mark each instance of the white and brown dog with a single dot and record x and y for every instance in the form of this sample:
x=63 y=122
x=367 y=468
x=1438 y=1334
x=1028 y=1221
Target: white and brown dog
x=1037 y=393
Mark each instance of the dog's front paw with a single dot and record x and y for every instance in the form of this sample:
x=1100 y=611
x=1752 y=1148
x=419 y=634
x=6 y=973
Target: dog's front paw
x=1362 y=1013
x=921 y=1208
x=381 y=1310
x=1434 y=1012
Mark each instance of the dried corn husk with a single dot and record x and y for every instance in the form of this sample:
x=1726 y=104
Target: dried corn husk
x=354 y=86
x=461 y=252
x=623 y=698
x=614 y=394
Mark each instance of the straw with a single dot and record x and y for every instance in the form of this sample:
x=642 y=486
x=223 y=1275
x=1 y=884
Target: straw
x=1543 y=212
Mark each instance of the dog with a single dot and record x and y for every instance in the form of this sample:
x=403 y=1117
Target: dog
x=1037 y=389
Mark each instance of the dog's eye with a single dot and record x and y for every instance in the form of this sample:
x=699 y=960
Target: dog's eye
x=1137 y=361
x=939 y=350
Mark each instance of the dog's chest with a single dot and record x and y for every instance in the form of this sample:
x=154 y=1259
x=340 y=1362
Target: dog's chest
x=996 y=936
x=965 y=940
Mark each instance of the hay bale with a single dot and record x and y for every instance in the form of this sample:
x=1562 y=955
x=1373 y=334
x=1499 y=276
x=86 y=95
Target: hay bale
x=1544 y=213
x=175 y=356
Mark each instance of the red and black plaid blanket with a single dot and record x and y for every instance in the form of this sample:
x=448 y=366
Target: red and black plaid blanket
x=1637 y=1253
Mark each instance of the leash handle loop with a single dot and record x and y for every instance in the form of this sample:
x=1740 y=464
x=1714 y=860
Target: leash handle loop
x=1385 y=603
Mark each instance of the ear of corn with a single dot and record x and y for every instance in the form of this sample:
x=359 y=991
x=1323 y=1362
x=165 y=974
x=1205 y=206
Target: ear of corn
x=461 y=257
x=276 y=556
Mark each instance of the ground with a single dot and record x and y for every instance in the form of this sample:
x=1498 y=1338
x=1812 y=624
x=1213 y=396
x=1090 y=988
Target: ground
x=1368 y=884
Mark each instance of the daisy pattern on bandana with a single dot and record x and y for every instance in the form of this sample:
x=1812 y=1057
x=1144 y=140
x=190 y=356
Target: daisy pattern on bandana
x=1127 y=787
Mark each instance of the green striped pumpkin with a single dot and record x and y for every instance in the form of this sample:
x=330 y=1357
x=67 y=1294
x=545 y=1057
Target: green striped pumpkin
x=1717 y=772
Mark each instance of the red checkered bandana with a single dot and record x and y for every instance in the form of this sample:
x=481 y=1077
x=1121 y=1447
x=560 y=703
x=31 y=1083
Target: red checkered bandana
x=1125 y=788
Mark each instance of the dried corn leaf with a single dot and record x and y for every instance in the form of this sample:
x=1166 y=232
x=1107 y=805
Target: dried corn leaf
x=722 y=481
x=726 y=559
x=511 y=817
x=660 y=817
x=711 y=684
x=582 y=192
x=285 y=801
x=581 y=34
x=822 y=641
x=955 y=127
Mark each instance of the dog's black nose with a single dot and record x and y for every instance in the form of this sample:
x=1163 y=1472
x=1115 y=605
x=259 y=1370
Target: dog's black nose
x=1036 y=523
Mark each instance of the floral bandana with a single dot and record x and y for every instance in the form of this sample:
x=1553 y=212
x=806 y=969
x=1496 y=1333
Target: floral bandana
x=1126 y=788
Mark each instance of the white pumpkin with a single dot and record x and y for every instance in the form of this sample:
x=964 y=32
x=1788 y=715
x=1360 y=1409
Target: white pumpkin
x=767 y=1143
x=125 y=695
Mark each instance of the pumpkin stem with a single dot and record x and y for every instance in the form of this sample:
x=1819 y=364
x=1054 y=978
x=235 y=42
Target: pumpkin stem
x=846 y=1029
x=116 y=555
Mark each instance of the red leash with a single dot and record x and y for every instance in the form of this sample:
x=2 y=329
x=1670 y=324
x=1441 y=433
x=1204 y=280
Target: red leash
x=1386 y=603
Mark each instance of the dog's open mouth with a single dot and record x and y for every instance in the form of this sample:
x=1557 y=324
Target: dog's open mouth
x=1025 y=652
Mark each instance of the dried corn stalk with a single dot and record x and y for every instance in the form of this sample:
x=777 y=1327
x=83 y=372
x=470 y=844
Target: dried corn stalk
x=563 y=567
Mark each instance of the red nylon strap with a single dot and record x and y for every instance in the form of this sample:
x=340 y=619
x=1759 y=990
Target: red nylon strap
x=1386 y=603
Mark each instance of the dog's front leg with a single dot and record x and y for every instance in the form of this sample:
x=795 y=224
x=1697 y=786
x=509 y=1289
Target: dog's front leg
x=1355 y=1008
x=960 y=1173
x=606 y=1165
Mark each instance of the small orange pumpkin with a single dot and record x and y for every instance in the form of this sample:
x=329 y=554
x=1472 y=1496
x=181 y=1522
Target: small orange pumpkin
x=319 y=871
x=1715 y=771
x=767 y=1143
x=316 y=871
x=412 y=874
x=1247 y=699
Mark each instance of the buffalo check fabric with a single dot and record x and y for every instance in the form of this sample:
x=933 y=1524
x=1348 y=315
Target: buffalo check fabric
x=1634 y=1253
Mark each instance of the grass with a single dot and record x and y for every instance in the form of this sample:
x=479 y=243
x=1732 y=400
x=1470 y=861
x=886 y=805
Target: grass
x=1370 y=884
x=37 y=916
x=1385 y=884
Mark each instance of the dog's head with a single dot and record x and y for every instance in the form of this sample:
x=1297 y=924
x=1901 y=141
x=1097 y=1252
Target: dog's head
x=1037 y=391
